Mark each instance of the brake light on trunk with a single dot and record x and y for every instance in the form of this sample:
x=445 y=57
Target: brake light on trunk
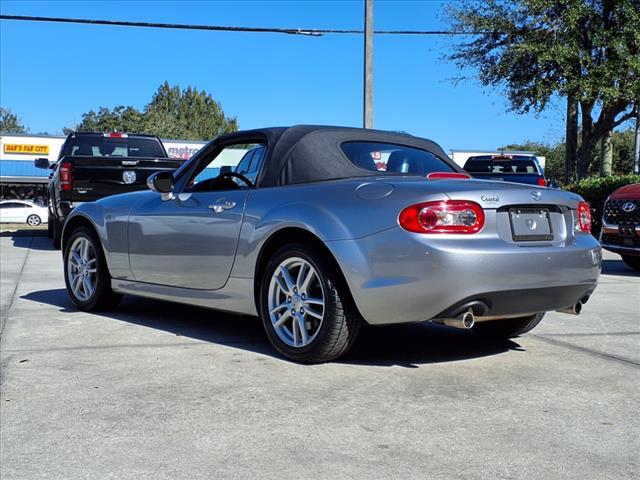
x=542 y=182
x=66 y=177
x=445 y=216
x=584 y=217
x=448 y=175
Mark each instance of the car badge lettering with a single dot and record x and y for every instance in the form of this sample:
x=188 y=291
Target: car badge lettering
x=628 y=207
x=536 y=195
x=490 y=199
x=128 y=177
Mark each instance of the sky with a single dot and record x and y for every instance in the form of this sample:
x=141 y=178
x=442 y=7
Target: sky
x=52 y=73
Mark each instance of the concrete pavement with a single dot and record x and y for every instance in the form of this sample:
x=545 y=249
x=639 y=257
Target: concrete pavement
x=155 y=390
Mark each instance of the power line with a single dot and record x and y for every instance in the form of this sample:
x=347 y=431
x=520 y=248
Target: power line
x=314 y=32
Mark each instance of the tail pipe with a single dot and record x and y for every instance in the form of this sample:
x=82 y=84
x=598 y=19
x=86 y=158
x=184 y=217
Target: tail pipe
x=465 y=320
x=574 y=309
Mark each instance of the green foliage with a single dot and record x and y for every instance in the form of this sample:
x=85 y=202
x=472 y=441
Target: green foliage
x=595 y=190
x=120 y=118
x=10 y=123
x=172 y=113
x=188 y=114
x=554 y=153
x=534 y=49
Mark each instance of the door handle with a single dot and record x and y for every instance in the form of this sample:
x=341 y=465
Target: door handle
x=221 y=205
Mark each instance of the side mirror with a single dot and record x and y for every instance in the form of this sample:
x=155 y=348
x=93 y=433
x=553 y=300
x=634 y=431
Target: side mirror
x=41 y=163
x=161 y=182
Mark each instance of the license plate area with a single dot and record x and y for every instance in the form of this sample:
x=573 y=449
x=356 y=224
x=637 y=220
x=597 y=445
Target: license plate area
x=530 y=224
x=626 y=232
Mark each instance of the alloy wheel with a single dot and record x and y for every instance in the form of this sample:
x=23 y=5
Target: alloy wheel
x=81 y=268
x=296 y=302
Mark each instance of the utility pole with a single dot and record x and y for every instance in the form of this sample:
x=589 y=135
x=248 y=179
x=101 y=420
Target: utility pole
x=636 y=142
x=368 y=64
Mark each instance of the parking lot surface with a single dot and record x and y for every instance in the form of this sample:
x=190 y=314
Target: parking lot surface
x=156 y=390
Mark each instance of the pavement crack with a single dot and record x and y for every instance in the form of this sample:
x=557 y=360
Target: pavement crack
x=608 y=356
x=5 y=315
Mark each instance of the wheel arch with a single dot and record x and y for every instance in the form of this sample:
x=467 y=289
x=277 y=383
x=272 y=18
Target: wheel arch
x=289 y=235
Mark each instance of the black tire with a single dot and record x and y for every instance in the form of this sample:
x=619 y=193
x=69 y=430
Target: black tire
x=50 y=225
x=633 y=261
x=508 y=328
x=103 y=297
x=340 y=322
x=34 y=220
x=56 y=230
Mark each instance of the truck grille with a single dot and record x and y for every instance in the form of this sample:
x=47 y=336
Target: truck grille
x=609 y=239
x=613 y=213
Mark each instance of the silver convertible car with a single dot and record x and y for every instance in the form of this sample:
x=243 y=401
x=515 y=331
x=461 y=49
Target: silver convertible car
x=319 y=229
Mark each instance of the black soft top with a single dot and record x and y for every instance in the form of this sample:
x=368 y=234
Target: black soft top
x=312 y=153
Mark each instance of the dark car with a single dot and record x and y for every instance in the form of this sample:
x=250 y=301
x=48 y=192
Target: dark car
x=621 y=224
x=509 y=168
x=94 y=165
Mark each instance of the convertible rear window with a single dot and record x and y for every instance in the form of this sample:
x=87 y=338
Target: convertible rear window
x=500 y=165
x=392 y=158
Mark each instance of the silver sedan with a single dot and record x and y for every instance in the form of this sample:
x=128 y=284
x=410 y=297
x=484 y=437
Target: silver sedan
x=319 y=229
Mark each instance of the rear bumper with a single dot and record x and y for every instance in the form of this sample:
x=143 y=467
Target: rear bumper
x=398 y=277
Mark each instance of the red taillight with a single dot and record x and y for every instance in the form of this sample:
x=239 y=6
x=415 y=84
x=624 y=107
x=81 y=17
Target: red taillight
x=446 y=216
x=66 y=177
x=445 y=175
x=115 y=135
x=542 y=182
x=584 y=217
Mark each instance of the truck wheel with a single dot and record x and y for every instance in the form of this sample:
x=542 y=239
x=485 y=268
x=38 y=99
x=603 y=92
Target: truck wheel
x=50 y=221
x=508 y=328
x=57 y=233
x=85 y=272
x=305 y=306
x=633 y=261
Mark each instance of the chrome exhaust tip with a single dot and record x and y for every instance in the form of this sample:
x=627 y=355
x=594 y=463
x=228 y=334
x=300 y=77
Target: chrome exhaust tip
x=465 y=320
x=574 y=310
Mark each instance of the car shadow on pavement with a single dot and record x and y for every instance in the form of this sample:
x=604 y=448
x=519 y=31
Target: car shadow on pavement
x=397 y=345
x=618 y=267
x=32 y=239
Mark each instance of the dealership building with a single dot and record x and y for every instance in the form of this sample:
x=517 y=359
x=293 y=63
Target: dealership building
x=19 y=178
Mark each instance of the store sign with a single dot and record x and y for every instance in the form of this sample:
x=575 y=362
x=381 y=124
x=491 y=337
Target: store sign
x=26 y=149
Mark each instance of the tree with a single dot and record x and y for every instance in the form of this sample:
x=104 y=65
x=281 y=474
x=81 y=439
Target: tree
x=588 y=50
x=172 y=113
x=188 y=114
x=10 y=123
x=121 y=118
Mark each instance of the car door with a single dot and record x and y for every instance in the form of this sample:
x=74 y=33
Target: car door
x=22 y=211
x=9 y=212
x=190 y=240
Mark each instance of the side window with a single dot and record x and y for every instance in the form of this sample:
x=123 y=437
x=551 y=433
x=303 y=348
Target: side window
x=233 y=158
x=245 y=163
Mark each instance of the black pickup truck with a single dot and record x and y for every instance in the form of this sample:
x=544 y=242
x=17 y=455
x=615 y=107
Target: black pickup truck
x=96 y=165
x=509 y=168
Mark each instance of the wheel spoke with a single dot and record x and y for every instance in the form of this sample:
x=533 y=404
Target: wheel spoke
x=302 y=326
x=304 y=286
x=313 y=314
x=314 y=301
x=92 y=270
x=77 y=281
x=281 y=321
x=85 y=250
x=287 y=278
x=76 y=258
x=281 y=283
x=294 y=327
x=88 y=286
x=278 y=308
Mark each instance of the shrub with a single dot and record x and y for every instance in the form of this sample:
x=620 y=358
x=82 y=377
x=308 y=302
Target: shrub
x=595 y=190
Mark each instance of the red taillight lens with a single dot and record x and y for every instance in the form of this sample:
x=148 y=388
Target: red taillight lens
x=447 y=216
x=115 y=135
x=542 y=182
x=445 y=175
x=66 y=177
x=584 y=217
